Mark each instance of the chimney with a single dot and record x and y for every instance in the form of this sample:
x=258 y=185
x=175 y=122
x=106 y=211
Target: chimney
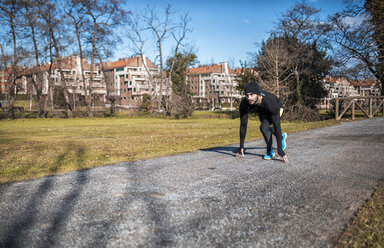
x=226 y=71
x=144 y=60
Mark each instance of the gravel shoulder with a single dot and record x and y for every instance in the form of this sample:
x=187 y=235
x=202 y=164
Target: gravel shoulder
x=206 y=198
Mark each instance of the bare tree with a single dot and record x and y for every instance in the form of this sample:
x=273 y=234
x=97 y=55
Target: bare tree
x=302 y=22
x=104 y=17
x=162 y=27
x=51 y=15
x=274 y=63
x=9 y=14
x=137 y=43
x=36 y=75
x=76 y=14
x=304 y=36
x=4 y=67
x=354 y=38
x=179 y=34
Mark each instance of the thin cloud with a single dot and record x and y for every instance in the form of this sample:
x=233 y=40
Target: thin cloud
x=354 y=21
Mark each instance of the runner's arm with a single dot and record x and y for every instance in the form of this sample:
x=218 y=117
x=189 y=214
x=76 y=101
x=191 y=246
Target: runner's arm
x=243 y=122
x=279 y=137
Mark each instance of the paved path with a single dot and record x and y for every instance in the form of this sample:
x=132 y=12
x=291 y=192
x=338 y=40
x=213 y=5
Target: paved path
x=206 y=198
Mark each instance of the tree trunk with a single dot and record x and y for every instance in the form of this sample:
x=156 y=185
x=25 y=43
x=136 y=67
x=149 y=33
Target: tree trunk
x=89 y=109
x=90 y=114
x=298 y=88
x=38 y=81
x=68 y=107
x=277 y=76
x=13 y=88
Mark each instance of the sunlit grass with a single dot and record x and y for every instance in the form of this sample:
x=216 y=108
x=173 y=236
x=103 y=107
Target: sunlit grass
x=367 y=228
x=37 y=147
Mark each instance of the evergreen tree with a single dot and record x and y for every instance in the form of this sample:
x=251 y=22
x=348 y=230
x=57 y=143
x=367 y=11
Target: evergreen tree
x=293 y=70
x=181 y=100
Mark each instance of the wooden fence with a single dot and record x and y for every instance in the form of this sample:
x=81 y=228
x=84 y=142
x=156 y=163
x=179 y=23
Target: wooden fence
x=352 y=102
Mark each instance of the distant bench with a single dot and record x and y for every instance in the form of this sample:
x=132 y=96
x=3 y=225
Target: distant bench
x=20 y=109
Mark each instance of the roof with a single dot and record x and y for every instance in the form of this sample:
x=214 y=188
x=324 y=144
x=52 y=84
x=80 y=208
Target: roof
x=241 y=70
x=132 y=61
x=206 y=69
x=68 y=62
x=365 y=82
x=331 y=79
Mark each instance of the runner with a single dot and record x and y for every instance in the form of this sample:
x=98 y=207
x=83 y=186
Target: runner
x=270 y=109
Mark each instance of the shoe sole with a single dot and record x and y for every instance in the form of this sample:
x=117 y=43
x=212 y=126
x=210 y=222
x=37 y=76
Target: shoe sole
x=286 y=135
x=269 y=158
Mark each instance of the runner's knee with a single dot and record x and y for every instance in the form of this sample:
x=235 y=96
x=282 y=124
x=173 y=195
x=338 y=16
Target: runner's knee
x=265 y=128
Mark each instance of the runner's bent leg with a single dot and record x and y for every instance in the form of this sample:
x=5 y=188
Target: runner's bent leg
x=266 y=131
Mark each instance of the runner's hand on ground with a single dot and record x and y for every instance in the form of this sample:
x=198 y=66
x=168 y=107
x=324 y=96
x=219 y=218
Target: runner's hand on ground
x=240 y=152
x=285 y=158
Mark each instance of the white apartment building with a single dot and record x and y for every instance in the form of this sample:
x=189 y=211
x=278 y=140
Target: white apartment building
x=130 y=78
x=366 y=87
x=71 y=68
x=342 y=87
x=212 y=85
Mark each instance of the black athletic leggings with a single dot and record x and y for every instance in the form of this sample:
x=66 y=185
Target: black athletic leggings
x=267 y=131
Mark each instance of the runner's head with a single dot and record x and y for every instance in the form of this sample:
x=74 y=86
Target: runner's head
x=252 y=92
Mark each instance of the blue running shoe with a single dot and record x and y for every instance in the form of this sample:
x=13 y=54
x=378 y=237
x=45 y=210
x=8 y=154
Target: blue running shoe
x=269 y=156
x=284 y=142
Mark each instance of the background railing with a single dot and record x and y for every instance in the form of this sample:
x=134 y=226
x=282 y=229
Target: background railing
x=374 y=104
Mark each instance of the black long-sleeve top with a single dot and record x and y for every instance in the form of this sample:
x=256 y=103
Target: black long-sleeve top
x=269 y=106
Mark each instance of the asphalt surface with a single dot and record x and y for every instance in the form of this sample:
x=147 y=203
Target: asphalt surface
x=206 y=198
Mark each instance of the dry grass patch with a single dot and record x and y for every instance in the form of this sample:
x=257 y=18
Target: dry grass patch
x=367 y=228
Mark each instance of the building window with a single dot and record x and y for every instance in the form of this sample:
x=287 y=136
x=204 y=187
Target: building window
x=119 y=69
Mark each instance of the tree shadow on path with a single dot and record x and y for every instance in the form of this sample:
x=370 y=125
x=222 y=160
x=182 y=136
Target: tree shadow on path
x=22 y=223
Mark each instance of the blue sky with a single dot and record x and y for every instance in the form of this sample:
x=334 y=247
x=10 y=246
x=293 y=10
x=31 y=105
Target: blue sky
x=227 y=30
